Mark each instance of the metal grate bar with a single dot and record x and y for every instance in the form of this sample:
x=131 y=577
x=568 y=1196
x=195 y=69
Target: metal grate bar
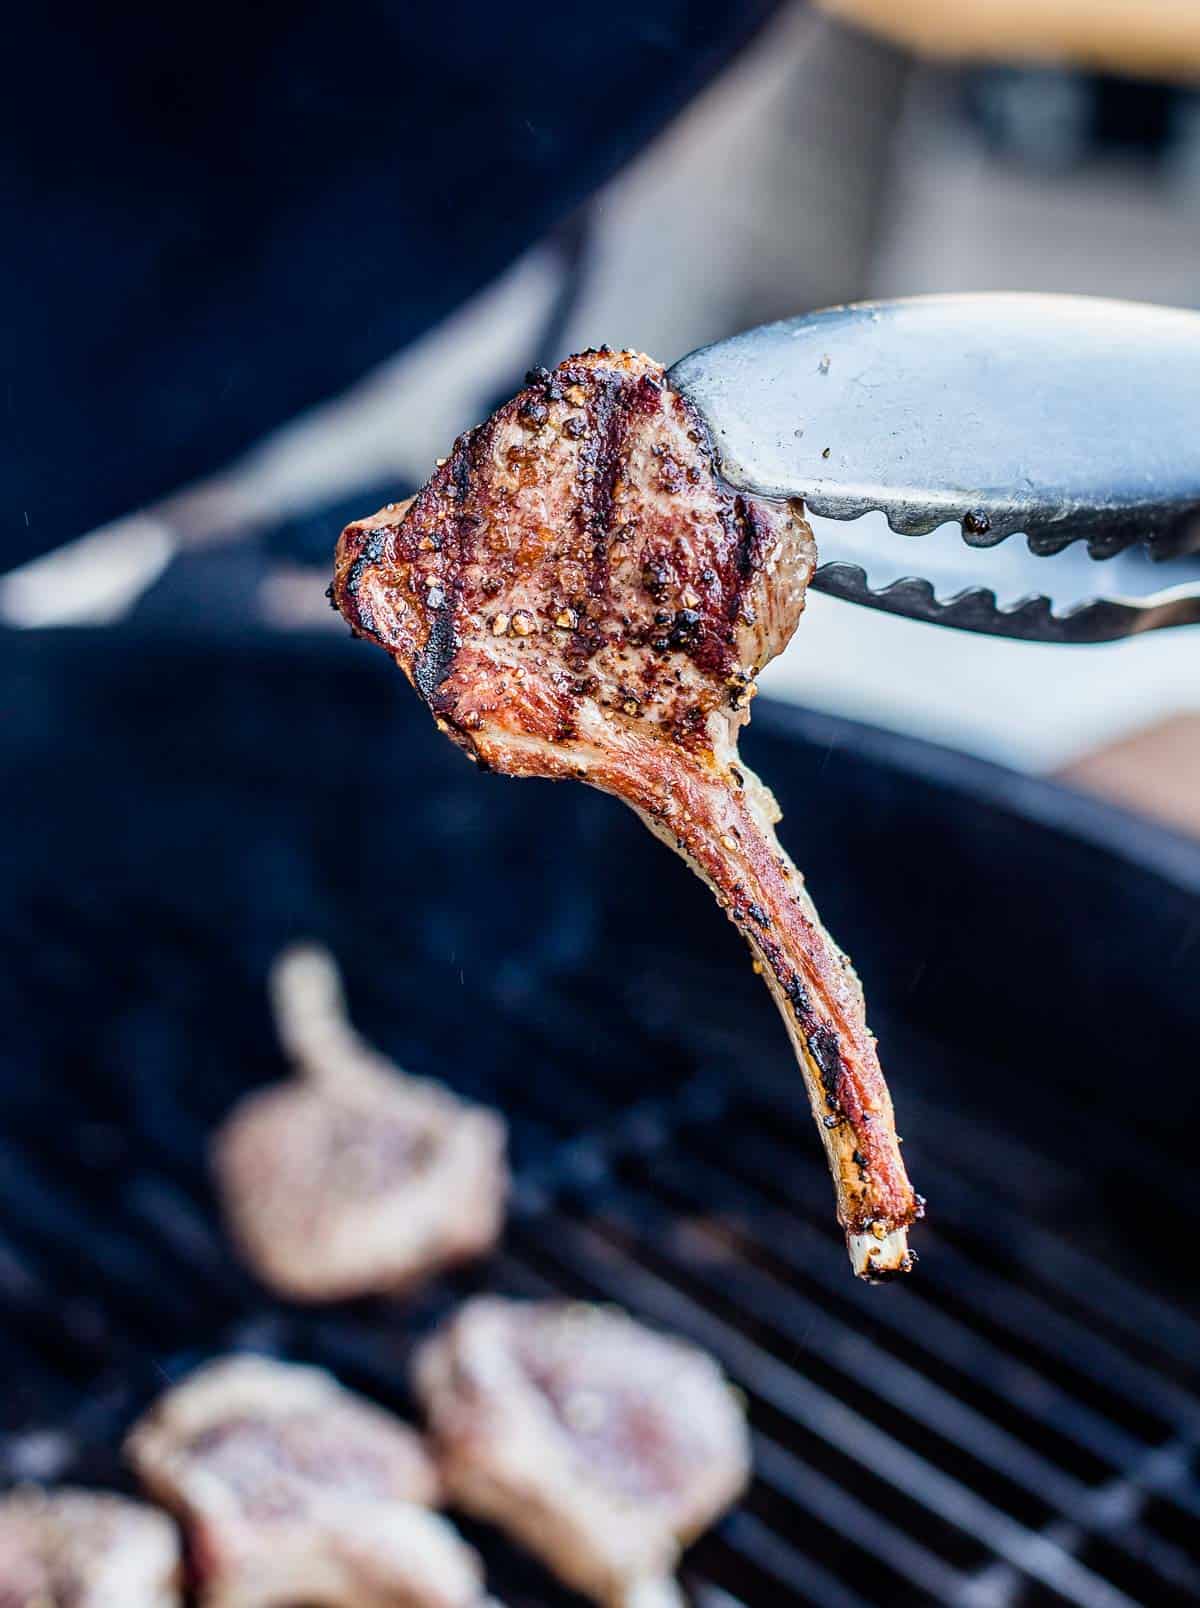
x=1091 y=1283
x=977 y=1357
x=1093 y=1509
x=794 y=1244
x=1000 y=1583
x=19 y=1283
x=1004 y=1157
x=607 y=1268
x=170 y=1217
x=48 y=1216
x=1016 y=1310
x=646 y=1127
x=998 y=1157
x=1010 y=1307
x=813 y=1491
x=706 y=1596
x=776 y=1557
x=982 y=1210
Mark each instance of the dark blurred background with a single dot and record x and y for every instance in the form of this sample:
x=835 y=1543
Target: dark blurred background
x=222 y=216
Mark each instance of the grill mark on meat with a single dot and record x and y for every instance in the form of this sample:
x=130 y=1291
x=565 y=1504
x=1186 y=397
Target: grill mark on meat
x=820 y=1036
x=372 y=552
x=800 y=1000
x=433 y=663
x=823 y=1047
x=460 y=466
x=750 y=537
x=600 y=464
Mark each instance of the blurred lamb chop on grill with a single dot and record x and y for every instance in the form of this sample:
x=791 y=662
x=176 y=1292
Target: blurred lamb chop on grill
x=576 y=593
x=601 y=1445
x=354 y=1177
x=86 y=1549
x=294 y=1490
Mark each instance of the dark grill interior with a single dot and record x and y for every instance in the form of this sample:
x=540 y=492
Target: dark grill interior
x=1014 y=1424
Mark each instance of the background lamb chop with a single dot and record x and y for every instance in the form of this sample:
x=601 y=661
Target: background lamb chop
x=575 y=593
x=292 y=1489
x=600 y=1444
x=88 y=1549
x=354 y=1177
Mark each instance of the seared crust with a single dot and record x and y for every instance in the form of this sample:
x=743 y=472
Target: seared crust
x=92 y=1549
x=330 y=1196
x=601 y=1445
x=576 y=593
x=353 y=1177
x=292 y=1489
x=586 y=510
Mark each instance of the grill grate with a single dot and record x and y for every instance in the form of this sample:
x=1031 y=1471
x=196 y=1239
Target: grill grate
x=913 y=1441
x=1016 y=1424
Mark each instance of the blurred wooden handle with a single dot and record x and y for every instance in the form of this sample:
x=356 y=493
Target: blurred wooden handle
x=1155 y=771
x=1151 y=38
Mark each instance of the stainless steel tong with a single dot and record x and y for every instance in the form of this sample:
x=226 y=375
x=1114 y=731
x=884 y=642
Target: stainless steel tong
x=923 y=435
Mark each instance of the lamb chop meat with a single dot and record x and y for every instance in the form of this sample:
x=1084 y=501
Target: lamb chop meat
x=292 y=1490
x=598 y=1443
x=354 y=1177
x=86 y=1549
x=576 y=593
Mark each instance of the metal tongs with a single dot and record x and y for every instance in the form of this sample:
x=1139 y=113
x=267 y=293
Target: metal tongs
x=922 y=434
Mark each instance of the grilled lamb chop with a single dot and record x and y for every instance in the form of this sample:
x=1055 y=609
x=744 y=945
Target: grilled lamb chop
x=353 y=1178
x=86 y=1549
x=294 y=1490
x=576 y=593
x=599 y=1444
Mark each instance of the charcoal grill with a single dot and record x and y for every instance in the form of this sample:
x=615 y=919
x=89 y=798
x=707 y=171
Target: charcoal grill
x=1014 y=1424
